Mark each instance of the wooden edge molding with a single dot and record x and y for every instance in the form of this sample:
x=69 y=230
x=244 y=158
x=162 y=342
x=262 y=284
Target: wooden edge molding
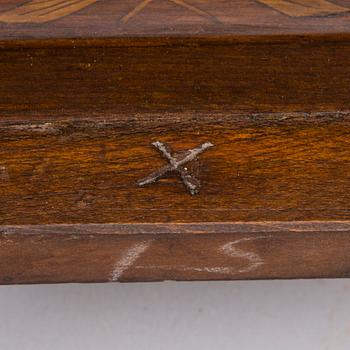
x=179 y=40
x=157 y=252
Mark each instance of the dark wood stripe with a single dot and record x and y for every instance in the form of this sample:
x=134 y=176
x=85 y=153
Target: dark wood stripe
x=298 y=74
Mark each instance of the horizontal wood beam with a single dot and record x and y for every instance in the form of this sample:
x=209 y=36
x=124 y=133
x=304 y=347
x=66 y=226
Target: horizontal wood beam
x=156 y=252
x=164 y=18
x=262 y=167
x=160 y=75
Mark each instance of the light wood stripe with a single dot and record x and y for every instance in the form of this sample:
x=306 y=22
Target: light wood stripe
x=44 y=11
x=304 y=8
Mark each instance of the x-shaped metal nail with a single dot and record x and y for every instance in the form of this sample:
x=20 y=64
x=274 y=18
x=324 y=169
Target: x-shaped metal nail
x=177 y=164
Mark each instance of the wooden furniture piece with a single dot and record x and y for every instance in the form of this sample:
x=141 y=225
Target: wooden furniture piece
x=146 y=140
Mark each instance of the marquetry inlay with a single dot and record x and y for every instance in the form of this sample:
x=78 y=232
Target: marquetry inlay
x=41 y=11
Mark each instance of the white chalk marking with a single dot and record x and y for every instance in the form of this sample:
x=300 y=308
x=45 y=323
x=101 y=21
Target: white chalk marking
x=230 y=249
x=129 y=258
x=255 y=260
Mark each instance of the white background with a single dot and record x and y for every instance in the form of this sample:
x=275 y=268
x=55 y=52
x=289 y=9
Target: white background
x=259 y=315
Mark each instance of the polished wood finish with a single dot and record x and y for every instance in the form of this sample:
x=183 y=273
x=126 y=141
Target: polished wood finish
x=87 y=86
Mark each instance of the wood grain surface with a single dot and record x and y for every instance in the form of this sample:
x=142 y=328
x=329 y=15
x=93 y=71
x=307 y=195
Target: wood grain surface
x=124 y=18
x=271 y=167
x=88 y=87
x=105 y=253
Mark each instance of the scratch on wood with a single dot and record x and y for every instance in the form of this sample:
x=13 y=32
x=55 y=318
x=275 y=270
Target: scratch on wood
x=129 y=258
x=38 y=127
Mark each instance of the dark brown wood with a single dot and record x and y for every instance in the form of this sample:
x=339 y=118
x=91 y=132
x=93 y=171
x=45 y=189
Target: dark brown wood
x=107 y=78
x=87 y=86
